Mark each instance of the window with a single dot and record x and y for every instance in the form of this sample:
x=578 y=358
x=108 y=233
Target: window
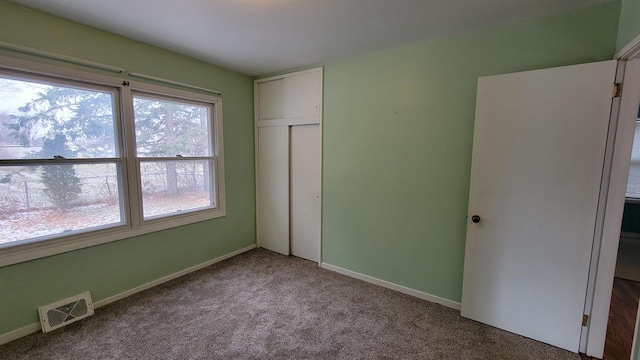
x=174 y=152
x=86 y=159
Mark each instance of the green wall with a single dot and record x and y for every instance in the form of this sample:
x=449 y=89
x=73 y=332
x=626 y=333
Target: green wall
x=398 y=127
x=112 y=268
x=629 y=26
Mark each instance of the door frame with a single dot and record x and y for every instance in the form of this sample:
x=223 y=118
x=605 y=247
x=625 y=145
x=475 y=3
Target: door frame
x=616 y=172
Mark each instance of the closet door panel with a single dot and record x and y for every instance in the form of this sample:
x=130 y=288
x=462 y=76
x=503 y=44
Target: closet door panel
x=306 y=175
x=271 y=100
x=302 y=95
x=273 y=188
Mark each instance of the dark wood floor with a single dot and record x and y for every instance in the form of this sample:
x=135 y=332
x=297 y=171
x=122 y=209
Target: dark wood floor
x=622 y=319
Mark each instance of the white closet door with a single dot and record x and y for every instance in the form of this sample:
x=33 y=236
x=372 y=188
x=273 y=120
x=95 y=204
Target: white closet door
x=273 y=197
x=306 y=174
x=302 y=95
x=271 y=100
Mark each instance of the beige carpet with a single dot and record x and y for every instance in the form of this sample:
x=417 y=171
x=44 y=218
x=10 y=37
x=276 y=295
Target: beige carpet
x=261 y=305
x=628 y=263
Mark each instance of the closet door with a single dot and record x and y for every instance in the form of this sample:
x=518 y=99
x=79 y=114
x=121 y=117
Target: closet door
x=288 y=128
x=306 y=174
x=273 y=192
x=270 y=100
x=301 y=95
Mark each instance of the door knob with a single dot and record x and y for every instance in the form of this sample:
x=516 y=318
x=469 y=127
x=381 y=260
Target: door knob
x=475 y=219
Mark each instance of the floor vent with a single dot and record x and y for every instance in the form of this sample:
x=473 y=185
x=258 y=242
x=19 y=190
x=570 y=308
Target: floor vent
x=65 y=311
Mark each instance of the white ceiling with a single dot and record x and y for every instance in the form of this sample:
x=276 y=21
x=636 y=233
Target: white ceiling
x=257 y=37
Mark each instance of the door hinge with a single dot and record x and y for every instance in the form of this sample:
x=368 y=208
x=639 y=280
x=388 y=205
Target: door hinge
x=617 y=89
x=585 y=319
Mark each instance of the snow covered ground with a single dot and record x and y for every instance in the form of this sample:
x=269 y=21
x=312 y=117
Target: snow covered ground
x=24 y=225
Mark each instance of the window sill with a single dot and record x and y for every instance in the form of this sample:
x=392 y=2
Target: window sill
x=35 y=250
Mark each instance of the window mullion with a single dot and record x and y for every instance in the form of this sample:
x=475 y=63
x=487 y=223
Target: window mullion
x=132 y=176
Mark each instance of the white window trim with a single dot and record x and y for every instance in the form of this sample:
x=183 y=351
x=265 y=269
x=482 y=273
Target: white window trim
x=134 y=226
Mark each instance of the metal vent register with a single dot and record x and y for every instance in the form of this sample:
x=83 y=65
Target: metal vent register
x=65 y=311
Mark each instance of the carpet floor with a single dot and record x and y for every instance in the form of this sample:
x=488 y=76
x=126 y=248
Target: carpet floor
x=261 y=305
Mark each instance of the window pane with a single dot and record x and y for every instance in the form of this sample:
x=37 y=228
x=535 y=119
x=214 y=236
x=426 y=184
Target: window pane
x=40 y=120
x=166 y=128
x=45 y=200
x=170 y=187
x=633 y=184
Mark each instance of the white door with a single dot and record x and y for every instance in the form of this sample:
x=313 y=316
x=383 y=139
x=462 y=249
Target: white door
x=538 y=152
x=306 y=175
x=273 y=192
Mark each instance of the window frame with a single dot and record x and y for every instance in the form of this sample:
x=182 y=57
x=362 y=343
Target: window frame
x=133 y=219
x=212 y=157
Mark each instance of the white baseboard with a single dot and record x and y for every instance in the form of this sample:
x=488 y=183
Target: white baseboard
x=186 y=271
x=31 y=328
x=18 y=333
x=392 y=286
